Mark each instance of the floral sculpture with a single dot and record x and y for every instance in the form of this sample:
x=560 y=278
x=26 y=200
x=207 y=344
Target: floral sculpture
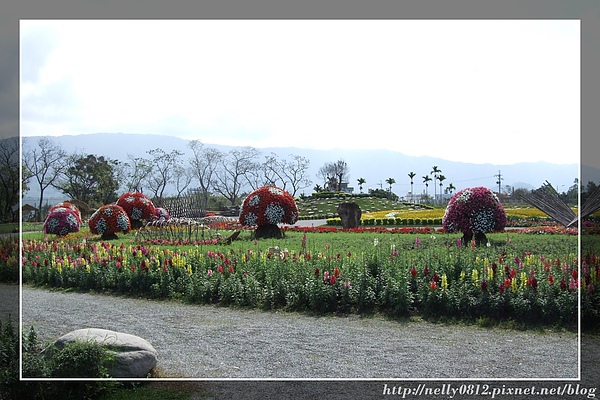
x=69 y=205
x=161 y=213
x=108 y=220
x=138 y=207
x=474 y=211
x=265 y=208
x=62 y=219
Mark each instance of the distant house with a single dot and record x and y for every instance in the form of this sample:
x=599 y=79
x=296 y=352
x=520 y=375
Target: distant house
x=343 y=188
x=29 y=212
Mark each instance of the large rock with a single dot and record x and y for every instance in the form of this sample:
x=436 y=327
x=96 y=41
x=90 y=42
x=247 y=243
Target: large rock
x=350 y=214
x=134 y=357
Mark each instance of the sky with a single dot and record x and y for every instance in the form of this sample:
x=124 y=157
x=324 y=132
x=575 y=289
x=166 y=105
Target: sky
x=477 y=91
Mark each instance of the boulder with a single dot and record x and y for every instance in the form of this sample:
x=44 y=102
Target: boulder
x=134 y=357
x=350 y=214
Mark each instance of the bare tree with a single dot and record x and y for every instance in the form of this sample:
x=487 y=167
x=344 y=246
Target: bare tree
x=204 y=163
x=231 y=176
x=293 y=174
x=45 y=163
x=182 y=178
x=334 y=174
x=163 y=170
x=134 y=172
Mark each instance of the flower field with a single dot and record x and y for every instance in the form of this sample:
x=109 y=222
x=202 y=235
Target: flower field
x=518 y=278
x=516 y=217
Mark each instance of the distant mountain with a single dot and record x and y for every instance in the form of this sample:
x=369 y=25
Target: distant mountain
x=374 y=166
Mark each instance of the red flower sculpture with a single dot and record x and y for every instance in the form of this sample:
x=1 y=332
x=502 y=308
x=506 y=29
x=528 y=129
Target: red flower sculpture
x=108 y=220
x=137 y=206
x=269 y=205
x=69 y=205
x=62 y=219
x=474 y=211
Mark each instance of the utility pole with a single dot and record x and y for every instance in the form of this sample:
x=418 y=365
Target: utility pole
x=499 y=181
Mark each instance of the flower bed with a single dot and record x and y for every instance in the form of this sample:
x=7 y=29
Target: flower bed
x=524 y=278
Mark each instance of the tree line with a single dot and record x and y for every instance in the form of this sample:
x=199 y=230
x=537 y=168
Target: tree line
x=97 y=180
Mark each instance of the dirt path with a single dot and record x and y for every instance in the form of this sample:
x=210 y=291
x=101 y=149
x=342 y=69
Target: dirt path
x=214 y=342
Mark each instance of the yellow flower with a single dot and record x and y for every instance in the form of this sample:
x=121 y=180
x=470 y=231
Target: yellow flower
x=444 y=282
x=475 y=276
x=513 y=285
x=462 y=275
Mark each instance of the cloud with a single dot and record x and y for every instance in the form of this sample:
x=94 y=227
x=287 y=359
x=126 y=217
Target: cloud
x=476 y=91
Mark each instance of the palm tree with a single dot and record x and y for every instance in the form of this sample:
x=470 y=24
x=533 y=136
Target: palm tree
x=451 y=188
x=426 y=179
x=441 y=178
x=361 y=182
x=435 y=171
x=411 y=175
x=390 y=181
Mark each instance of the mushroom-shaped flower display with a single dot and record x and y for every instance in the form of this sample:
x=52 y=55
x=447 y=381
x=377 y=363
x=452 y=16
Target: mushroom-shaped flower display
x=137 y=206
x=266 y=207
x=108 y=220
x=62 y=219
x=69 y=205
x=474 y=211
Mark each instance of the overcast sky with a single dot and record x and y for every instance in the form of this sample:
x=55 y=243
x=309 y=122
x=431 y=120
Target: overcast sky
x=474 y=91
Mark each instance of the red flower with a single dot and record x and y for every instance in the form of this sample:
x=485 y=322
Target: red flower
x=433 y=285
x=563 y=284
x=413 y=272
x=220 y=269
x=336 y=272
x=550 y=278
x=473 y=210
x=137 y=206
x=484 y=285
x=268 y=205
x=332 y=280
x=109 y=219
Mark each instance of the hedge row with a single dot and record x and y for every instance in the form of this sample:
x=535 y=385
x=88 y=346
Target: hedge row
x=391 y=221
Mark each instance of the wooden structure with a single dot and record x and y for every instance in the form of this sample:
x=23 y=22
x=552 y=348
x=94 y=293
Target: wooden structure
x=547 y=200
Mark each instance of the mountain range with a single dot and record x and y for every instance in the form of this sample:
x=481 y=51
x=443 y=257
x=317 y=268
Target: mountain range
x=374 y=166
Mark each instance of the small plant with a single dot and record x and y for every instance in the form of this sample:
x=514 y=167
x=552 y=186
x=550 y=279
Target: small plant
x=474 y=211
x=108 y=220
x=266 y=207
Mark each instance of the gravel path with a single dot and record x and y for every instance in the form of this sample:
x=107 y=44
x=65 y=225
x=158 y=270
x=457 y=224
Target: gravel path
x=202 y=342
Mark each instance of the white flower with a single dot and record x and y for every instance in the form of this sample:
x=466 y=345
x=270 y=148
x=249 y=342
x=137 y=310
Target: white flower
x=254 y=200
x=251 y=219
x=274 y=213
x=375 y=242
x=276 y=191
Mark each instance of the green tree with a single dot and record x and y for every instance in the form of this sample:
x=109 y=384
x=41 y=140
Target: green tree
x=390 y=181
x=361 y=182
x=441 y=179
x=411 y=175
x=90 y=179
x=9 y=177
x=435 y=171
x=426 y=180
